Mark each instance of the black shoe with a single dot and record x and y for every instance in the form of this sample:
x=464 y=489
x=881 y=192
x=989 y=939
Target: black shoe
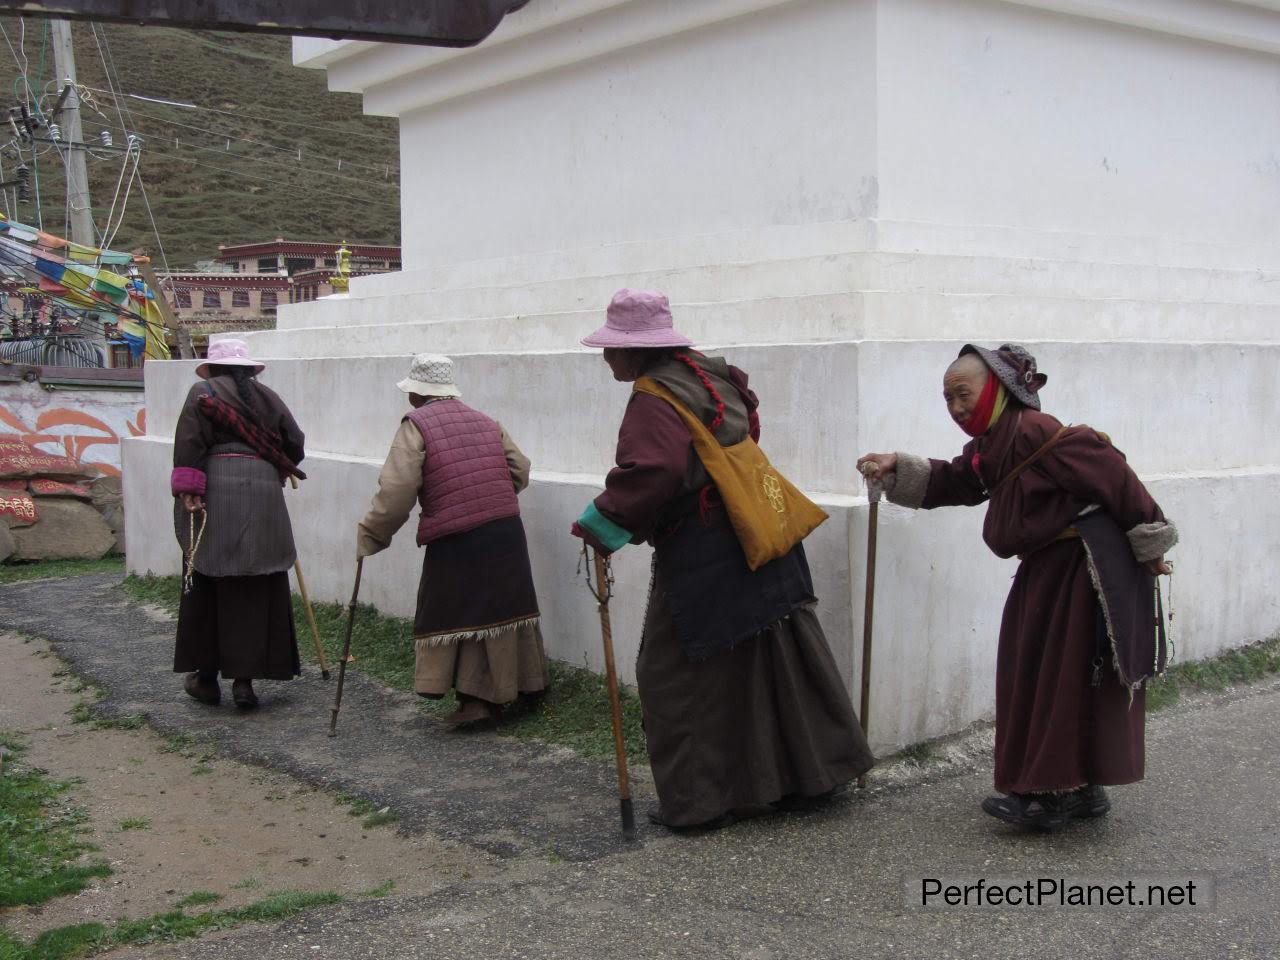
x=206 y=691
x=243 y=695
x=1087 y=802
x=1032 y=811
x=726 y=819
x=798 y=802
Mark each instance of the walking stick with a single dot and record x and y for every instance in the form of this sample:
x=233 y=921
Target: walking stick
x=346 y=651
x=602 y=591
x=868 y=610
x=306 y=606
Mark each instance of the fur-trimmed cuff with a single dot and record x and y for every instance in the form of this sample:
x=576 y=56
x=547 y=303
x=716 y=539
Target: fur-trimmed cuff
x=187 y=480
x=911 y=480
x=1151 y=541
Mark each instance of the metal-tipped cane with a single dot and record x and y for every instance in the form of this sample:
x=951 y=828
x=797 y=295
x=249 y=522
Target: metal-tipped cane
x=602 y=590
x=306 y=607
x=868 y=610
x=346 y=651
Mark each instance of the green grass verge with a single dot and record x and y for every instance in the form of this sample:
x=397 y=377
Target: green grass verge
x=1233 y=668
x=574 y=712
x=42 y=835
x=199 y=898
x=85 y=939
x=44 y=569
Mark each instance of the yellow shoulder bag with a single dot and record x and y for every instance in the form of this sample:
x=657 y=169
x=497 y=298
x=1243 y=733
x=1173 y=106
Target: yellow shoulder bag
x=768 y=514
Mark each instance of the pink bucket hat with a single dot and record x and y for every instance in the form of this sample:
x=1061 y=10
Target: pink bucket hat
x=638 y=318
x=228 y=353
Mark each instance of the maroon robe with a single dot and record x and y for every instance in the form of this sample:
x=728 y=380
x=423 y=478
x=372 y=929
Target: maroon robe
x=1055 y=729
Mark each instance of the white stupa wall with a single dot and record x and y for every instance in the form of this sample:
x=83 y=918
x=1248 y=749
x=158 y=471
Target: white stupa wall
x=836 y=195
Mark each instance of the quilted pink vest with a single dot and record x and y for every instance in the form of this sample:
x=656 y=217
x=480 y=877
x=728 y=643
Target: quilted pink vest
x=465 y=478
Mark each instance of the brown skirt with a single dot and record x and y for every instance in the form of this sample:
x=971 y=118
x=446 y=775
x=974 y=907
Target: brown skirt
x=747 y=726
x=497 y=668
x=241 y=626
x=1055 y=730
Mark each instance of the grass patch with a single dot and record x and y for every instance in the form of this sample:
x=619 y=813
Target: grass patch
x=83 y=712
x=134 y=823
x=1232 y=668
x=382 y=818
x=42 y=836
x=574 y=713
x=360 y=807
x=381 y=890
x=200 y=898
x=46 y=569
x=920 y=754
x=85 y=939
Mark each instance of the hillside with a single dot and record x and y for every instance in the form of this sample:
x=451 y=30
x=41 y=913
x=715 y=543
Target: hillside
x=270 y=151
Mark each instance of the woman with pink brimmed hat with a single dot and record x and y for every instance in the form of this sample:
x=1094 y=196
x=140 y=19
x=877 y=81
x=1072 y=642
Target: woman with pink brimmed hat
x=234 y=445
x=743 y=703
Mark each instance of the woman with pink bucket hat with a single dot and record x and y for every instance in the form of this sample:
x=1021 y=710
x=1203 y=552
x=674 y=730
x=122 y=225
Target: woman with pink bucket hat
x=743 y=704
x=235 y=444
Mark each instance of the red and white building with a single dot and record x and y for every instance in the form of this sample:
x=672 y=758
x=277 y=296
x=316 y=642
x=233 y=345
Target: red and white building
x=257 y=277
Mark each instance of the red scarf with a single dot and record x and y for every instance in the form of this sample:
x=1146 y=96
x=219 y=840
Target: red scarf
x=991 y=403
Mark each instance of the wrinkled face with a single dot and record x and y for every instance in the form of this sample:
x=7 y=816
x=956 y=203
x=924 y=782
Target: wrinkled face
x=625 y=364
x=962 y=385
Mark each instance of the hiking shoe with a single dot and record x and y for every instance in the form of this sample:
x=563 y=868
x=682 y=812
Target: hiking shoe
x=1087 y=802
x=1031 y=811
x=726 y=819
x=206 y=691
x=472 y=714
x=798 y=802
x=243 y=695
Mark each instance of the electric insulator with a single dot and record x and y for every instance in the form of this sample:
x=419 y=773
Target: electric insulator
x=55 y=132
x=105 y=137
x=134 y=143
x=23 y=174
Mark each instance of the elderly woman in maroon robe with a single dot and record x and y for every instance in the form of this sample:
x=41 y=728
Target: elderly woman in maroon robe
x=744 y=707
x=1082 y=627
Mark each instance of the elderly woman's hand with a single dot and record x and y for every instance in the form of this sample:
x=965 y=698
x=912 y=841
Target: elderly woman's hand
x=193 y=502
x=874 y=466
x=1159 y=566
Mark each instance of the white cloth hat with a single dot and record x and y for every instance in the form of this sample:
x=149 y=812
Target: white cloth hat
x=228 y=353
x=430 y=375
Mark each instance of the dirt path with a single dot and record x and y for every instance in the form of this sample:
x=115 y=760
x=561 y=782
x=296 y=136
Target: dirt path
x=198 y=823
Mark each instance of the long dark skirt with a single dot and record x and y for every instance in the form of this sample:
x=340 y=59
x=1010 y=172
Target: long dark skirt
x=1055 y=731
x=241 y=626
x=747 y=726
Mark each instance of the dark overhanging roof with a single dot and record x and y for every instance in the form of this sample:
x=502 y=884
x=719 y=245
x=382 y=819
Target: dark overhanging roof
x=436 y=23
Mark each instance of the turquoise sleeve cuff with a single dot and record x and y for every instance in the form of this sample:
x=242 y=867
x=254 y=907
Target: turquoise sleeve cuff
x=605 y=530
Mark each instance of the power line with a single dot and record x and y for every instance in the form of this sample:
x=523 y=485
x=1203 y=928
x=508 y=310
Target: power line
x=295 y=123
x=156 y=140
x=292 y=188
x=296 y=149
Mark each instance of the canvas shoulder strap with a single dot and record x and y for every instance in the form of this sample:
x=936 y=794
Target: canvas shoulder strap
x=1047 y=446
x=701 y=435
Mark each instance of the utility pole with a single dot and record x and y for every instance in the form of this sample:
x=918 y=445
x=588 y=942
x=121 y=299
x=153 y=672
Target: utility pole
x=80 y=228
x=64 y=59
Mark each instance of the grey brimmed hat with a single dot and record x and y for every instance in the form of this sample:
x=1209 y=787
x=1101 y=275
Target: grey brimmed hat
x=430 y=375
x=1015 y=367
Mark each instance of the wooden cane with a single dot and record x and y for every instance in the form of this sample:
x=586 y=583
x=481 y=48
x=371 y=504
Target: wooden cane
x=346 y=651
x=306 y=607
x=868 y=610
x=603 y=591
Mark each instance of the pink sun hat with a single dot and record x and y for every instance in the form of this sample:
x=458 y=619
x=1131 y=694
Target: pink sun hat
x=228 y=353
x=638 y=318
